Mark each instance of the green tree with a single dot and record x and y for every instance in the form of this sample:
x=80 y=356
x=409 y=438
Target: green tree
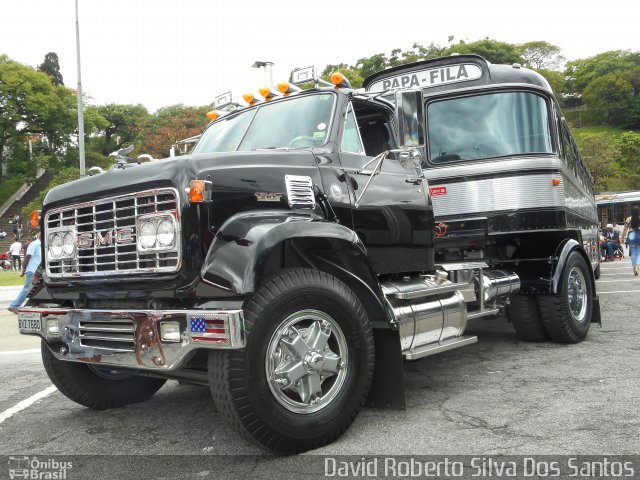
x=31 y=106
x=541 y=55
x=627 y=146
x=492 y=50
x=115 y=126
x=51 y=66
x=580 y=73
x=601 y=157
x=610 y=98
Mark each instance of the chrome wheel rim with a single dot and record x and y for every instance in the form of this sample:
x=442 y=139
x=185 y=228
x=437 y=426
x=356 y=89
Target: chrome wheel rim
x=306 y=361
x=578 y=295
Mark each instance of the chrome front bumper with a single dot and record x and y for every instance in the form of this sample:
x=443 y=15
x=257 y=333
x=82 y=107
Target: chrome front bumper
x=139 y=339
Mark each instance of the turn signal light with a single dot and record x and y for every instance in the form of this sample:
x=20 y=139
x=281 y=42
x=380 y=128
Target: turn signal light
x=556 y=182
x=212 y=115
x=196 y=191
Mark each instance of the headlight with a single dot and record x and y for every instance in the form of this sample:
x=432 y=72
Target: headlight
x=157 y=232
x=166 y=233
x=55 y=245
x=61 y=244
x=68 y=244
x=147 y=234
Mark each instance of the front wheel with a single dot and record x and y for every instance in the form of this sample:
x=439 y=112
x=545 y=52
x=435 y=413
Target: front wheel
x=567 y=314
x=307 y=366
x=97 y=387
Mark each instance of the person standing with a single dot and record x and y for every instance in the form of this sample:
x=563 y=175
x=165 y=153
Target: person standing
x=15 y=249
x=631 y=236
x=31 y=263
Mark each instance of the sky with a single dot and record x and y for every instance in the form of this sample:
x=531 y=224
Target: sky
x=166 y=52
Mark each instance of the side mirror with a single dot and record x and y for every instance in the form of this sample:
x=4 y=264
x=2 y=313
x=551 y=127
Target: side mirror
x=411 y=122
x=410 y=158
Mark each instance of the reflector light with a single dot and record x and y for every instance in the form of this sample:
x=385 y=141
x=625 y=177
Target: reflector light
x=249 y=98
x=266 y=92
x=212 y=115
x=339 y=80
x=286 y=88
x=283 y=87
x=556 y=182
x=196 y=191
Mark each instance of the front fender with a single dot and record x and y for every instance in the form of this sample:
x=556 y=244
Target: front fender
x=245 y=241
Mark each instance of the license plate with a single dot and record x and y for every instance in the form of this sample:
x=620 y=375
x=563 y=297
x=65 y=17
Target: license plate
x=29 y=322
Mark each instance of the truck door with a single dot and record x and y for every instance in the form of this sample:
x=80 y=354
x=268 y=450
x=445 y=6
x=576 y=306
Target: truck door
x=394 y=217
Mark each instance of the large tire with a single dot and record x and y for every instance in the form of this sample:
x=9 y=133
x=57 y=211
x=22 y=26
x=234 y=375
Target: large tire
x=99 y=389
x=525 y=317
x=567 y=314
x=306 y=369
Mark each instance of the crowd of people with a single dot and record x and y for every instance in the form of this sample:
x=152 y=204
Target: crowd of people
x=614 y=236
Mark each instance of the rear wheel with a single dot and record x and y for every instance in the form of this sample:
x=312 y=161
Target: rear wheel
x=525 y=317
x=98 y=387
x=567 y=314
x=307 y=366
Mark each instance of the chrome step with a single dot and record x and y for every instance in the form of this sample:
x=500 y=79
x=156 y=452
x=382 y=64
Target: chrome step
x=434 y=348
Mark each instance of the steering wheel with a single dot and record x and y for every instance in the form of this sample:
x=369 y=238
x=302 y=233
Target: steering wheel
x=302 y=141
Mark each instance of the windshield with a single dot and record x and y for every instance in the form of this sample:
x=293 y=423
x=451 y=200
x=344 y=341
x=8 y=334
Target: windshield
x=486 y=126
x=298 y=122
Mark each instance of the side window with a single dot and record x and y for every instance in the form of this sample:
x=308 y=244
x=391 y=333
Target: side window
x=351 y=141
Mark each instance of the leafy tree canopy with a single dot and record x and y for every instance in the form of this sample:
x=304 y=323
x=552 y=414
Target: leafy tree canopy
x=51 y=66
x=30 y=105
x=492 y=50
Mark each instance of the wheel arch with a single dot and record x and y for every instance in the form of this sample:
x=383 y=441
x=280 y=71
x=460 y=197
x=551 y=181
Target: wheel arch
x=562 y=254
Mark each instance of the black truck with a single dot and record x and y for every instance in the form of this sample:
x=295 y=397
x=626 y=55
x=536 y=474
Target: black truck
x=294 y=259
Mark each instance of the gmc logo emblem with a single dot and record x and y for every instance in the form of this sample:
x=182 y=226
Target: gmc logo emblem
x=105 y=238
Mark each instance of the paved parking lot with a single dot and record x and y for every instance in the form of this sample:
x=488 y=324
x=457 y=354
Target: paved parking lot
x=497 y=397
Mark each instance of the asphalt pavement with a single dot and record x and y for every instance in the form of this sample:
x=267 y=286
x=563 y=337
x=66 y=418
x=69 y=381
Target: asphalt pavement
x=497 y=397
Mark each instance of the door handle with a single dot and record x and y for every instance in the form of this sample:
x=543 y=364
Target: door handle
x=414 y=180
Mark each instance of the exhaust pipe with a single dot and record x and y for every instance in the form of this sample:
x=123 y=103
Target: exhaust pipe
x=496 y=284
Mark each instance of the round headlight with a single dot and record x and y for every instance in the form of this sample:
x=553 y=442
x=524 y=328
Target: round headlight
x=147 y=234
x=166 y=233
x=68 y=244
x=55 y=245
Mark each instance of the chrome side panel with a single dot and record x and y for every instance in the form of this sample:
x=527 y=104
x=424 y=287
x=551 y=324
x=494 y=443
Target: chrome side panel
x=498 y=194
x=515 y=184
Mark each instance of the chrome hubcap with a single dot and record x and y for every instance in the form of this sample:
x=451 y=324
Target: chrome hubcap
x=578 y=296
x=306 y=361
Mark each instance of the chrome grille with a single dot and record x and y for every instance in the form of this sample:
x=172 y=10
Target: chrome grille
x=106 y=237
x=112 y=334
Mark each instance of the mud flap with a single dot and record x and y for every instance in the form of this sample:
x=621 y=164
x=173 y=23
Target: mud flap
x=387 y=388
x=595 y=311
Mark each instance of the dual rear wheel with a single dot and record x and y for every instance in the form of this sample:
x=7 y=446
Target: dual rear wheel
x=563 y=317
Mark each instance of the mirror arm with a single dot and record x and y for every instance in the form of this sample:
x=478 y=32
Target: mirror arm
x=372 y=174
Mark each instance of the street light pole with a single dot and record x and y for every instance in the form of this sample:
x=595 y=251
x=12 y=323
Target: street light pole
x=268 y=66
x=80 y=106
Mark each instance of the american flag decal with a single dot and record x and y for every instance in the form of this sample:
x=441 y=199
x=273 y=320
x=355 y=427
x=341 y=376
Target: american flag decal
x=207 y=330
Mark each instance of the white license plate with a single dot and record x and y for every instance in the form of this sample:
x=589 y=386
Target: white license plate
x=29 y=322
